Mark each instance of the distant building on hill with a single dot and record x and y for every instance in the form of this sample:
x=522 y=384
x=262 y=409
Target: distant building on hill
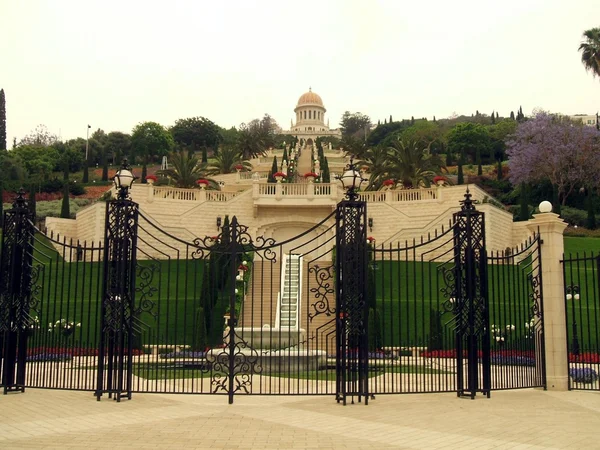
x=590 y=120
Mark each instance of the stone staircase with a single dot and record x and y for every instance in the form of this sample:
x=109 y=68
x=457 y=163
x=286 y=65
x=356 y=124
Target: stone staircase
x=261 y=305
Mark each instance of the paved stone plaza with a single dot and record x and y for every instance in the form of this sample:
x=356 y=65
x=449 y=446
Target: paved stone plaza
x=526 y=419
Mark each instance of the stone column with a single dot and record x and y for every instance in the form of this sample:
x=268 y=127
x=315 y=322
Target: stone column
x=551 y=229
x=150 y=192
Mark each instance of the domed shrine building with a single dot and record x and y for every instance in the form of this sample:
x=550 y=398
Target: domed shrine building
x=310 y=119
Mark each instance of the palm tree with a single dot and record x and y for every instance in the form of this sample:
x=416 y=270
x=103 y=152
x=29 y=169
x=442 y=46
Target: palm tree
x=226 y=161
x=590 y=51
x=186 y=170
x=375 y=161
x=412 y=164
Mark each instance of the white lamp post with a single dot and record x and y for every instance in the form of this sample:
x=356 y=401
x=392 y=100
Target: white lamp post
x=351 y=180
x=123 y=180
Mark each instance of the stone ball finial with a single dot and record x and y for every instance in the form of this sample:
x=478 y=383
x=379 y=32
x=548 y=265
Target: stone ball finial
x=545 y=207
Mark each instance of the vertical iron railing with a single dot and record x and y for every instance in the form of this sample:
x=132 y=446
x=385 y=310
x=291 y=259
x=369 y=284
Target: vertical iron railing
x=15 y=293
x=516 y=316
x=352 y=359
x=582 y=310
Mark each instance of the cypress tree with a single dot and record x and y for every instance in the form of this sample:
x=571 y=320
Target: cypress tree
x=512 y=115
x=384 y=121
x=497 y=115
x=2 y=120
x=86 y=173
x=274 y=169
x=1 y=206
x=32 y=205
x=104 y=165
x=478 y=160
x=499 y=169
x=285 y=155
x=378 y=122
x=434 y=121
x=493 y=118
x=65 y=211
x=412 y=120
x=461 y=177
x=204 y=157
x=523 y=204
x=391 y=118
x=591 y=216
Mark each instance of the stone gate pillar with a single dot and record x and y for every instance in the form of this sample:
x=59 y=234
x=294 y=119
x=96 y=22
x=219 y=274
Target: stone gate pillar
x=551 y=227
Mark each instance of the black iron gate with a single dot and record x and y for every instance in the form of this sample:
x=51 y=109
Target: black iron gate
x=324 y=311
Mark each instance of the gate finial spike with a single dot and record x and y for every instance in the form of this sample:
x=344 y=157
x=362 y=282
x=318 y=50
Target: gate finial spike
x=467 y=203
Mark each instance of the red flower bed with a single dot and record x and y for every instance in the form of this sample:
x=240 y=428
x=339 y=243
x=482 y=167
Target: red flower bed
x=279 y=174
x=152 y=177
x=585 y=357
x=310 y=174
x=439 y=178
x=239 y=167
x=202 y=181
x=389 y=183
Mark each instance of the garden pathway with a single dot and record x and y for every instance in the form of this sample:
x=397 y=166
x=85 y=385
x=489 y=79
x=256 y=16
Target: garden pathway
x=523 y=419
x=304 y=164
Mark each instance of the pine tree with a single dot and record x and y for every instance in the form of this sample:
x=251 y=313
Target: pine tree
x=2 y=120
x=512 y=115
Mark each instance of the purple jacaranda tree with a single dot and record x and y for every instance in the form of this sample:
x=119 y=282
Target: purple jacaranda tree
x=553 y=148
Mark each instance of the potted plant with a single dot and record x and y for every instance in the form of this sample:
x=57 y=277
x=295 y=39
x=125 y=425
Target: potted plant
x=389 y=184
x=151 y=179
x=279 y=176
x=439 y=180
x=202 y=183
x=239 y=167
x=310 y=176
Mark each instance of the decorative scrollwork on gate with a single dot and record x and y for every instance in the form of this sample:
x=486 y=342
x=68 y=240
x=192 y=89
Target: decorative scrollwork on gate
x=144 y=288
x=245 y=364
x=323 y=291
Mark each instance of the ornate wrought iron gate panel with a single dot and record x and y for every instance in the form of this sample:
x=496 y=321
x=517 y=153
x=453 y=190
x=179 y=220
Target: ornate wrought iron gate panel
x=352 y=358
x=516 y=316
x=59 y=302
x=471 y=307
x=582 y=309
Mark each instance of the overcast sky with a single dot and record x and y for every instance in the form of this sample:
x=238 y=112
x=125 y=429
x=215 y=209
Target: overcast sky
x=113 y=64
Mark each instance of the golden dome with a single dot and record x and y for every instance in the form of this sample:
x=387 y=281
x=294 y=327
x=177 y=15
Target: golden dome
x=310 y=98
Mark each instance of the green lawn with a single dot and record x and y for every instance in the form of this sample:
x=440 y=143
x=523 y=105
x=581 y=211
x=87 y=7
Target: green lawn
x=408 y=296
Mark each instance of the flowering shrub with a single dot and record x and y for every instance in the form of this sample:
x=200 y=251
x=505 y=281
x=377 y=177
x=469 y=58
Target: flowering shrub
x=514 y=360
x=371 y=240
x=63 y=326
x=389 y=183
x=583 y=375
x=279 y=174
x=439 y=179
x=202 y=181
x=238 y=167
x=152 y=178
x=310 y=174
x=585 y=357
x=243 y=267
x=42 y=357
